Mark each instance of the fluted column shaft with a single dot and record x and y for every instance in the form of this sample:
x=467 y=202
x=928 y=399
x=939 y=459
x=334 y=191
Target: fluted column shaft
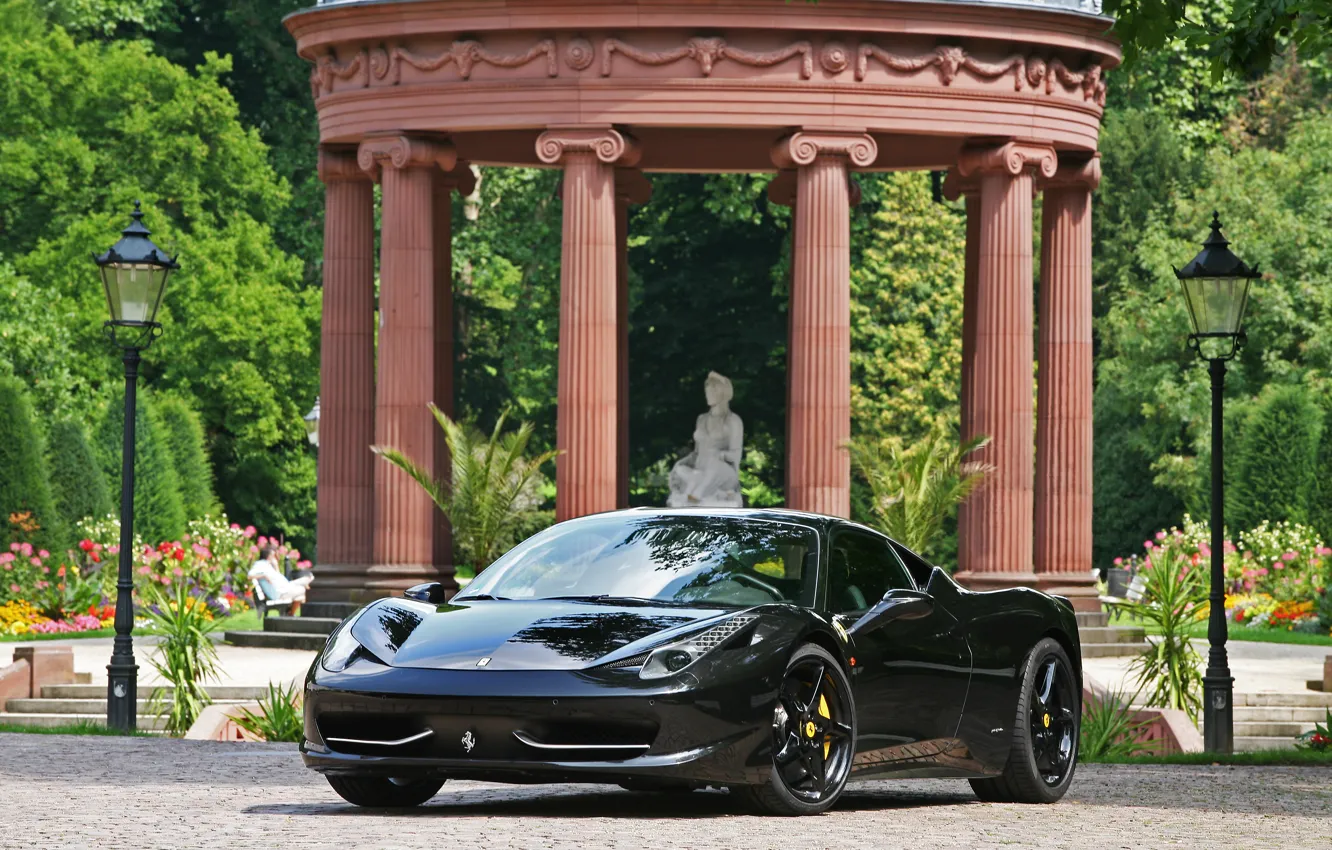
x=404 y=534
x=1063 y=542
x=586 y=470
x=345 y=491
x=995 y=541
x=955 y=186
x=819 y=401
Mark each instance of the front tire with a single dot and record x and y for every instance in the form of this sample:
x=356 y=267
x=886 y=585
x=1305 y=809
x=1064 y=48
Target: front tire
x=814 y=738
x=1044 y=751
x=380 y=792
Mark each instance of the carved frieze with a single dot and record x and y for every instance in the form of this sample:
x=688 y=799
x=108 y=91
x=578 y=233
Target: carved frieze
x=383 y=64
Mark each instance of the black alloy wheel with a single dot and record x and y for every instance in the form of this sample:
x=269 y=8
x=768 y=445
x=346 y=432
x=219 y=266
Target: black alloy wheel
x=1045 y=735
x=382 y=792
x=813 y=737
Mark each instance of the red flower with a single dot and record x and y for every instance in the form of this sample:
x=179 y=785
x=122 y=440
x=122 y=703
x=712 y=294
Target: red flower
x=96 y=558
x=86 y=545
x=179 y=554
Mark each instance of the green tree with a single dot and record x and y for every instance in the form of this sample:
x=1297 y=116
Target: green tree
x=78 y=483
x=185 y=441
x=25 y=485
x=1277 y=452
x=1320 y=493
x=158 y=514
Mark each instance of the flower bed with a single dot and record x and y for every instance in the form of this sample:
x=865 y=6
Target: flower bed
x=1277 y=575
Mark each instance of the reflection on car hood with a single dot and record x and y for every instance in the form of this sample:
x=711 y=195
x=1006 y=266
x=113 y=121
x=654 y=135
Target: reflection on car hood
x=534 y=634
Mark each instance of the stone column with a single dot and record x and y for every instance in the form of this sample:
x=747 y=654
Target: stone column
x=1063 y=539
x=345 y=491
x=996 y=542
x=631 y=187
x=586 y=469
x=819 y=403
x=956 y=186
x=782 y=191
x=463 y=180
x=404 y=515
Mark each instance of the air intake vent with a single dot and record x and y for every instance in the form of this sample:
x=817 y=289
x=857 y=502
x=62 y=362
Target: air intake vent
x=631 y=661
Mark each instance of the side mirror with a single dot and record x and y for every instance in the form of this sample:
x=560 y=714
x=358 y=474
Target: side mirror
x=432 y=592
x=895 y=605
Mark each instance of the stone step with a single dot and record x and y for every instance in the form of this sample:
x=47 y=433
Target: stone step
x=143 y=722
x=79 y=706
x=304 y=625
x=217 y=692
x=1293 y=699
x=1250 y=743
x=1112 y=634
x=335 y=610
x=277 y=640
x=1093 y=619
x=1269 y=729
x=1255 y=714
x=1110 y=650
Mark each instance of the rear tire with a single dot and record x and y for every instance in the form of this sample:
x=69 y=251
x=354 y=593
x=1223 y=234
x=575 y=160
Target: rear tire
x=787 y=791
x=1044 y=751
x=381 y=792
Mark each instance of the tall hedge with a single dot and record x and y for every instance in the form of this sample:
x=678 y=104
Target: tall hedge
x=78 y=483
x=25 y=479
x=1320 y=492
x=1277 y=449
x=184 y=435
x=158 y=512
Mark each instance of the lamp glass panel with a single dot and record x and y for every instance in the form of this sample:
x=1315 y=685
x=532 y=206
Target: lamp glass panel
x=1216 y=304
x=134 y=291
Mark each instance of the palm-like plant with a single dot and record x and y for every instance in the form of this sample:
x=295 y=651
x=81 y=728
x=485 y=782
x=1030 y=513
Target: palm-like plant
x=1174 y=601
x=185 y=657
x=493 y=490
x=914 y=489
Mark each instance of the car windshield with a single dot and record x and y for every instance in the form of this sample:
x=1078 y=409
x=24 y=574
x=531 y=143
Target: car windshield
x=681 y=559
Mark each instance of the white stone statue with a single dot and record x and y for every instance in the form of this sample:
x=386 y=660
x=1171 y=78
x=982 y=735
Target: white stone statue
x=709 y=476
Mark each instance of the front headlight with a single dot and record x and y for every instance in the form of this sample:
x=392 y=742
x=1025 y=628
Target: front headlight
x=340 y=650
x=672 y=658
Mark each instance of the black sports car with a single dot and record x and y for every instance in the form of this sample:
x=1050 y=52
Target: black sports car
x=771 y=652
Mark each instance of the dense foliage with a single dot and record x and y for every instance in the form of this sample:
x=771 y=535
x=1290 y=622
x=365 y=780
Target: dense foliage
x=185 y=444
x=26 y=506
x=159 y=513
x=77 y=481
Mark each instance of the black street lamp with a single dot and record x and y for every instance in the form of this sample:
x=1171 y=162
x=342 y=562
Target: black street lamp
x=1216 y=290
x=134 y=273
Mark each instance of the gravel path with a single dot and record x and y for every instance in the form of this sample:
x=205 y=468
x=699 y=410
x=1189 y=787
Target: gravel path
x=67 y=791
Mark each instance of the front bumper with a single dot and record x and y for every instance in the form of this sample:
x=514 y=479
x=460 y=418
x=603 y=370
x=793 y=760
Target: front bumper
x=493 y=726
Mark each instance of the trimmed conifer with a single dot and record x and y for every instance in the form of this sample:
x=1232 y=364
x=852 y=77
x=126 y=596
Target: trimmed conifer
x=184 y=435
x=78 y=484
x=158 y=512
x=1277 y=445
x=25 y=478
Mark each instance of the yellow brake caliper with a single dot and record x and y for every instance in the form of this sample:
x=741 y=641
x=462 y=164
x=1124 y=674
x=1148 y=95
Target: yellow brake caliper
x=823 y=711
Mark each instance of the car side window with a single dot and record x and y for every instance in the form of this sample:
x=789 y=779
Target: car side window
x=861 y=569
x=916 y=565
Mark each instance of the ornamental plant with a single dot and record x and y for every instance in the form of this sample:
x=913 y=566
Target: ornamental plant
x=1319 y=739
x=185 y=657
x=280 y=717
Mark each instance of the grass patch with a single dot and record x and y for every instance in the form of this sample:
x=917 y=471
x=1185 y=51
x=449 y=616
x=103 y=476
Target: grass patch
x=1258 y=758
x=81 y=728
x=1243 y=633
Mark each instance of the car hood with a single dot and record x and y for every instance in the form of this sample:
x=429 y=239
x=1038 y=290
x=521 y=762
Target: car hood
x=537 y=634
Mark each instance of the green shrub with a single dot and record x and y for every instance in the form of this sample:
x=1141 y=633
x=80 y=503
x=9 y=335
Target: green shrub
x=186 y=656
x=184 y=435
x=1277 y=448
x=78 y=483
x=1320 y=492
x=25 y=480
x=280 y=717
x=158 y=513
x=1108 y=728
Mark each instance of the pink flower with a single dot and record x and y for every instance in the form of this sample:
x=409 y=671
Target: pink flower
x=13 y=588
x=1119 y=562
x=26 y=549
x=13 y=547
x=113 y=549
x=1148 y=545
x=6 y=557
x=254 y=550
x=1204 y=551
x=178 y=572
x=9 y=567
x=1262 y=571
x=295 y=553
x=42 y=585
x=302 y=565
x=143 y=571
x=1289 y=556
x=1160 y=535
x=43 y=554
x=249 y=531
x=263 y=541
x=235 y=526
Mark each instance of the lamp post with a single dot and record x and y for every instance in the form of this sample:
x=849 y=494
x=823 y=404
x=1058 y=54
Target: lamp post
x=134 y=274
x=1216 y=291
x=312 y=424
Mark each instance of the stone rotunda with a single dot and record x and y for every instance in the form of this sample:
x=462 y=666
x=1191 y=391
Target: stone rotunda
x=1007 y=97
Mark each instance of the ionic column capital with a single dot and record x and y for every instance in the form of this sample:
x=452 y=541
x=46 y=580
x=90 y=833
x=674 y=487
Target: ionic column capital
x=1082 y=173
x=339 y=163
x=803 y=147
x=631 y=186
x=1011 y=158
x=403 y=151
x=609 y=145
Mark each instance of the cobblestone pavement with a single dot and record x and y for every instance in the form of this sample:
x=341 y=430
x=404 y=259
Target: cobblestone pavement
x=65 y=791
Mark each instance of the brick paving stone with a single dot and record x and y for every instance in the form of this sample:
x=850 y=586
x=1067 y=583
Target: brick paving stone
x=68 y=791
